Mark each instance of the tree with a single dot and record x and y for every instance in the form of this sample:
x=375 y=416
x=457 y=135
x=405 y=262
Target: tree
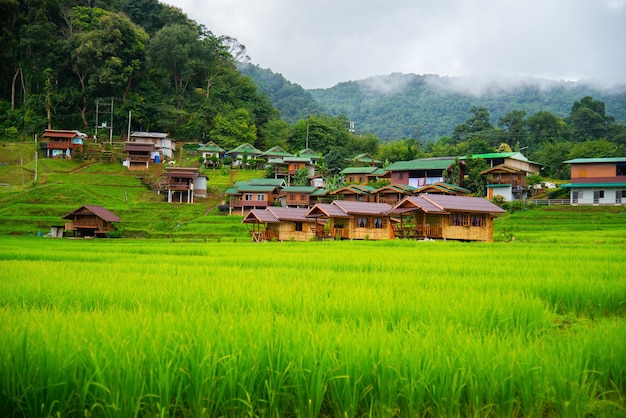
x=544 y=127
x=514 y=128
x=233 y=129
x=301 y=177
x=588 y=119
x=172 y=54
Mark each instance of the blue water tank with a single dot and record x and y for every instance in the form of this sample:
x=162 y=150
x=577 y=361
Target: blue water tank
x=157 y=159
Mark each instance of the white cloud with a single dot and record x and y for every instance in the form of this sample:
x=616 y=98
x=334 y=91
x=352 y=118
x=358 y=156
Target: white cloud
x=321 y=43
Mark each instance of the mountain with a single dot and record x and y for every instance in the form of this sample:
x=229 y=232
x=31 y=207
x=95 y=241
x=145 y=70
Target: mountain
x=428 y=107
x=290 y=99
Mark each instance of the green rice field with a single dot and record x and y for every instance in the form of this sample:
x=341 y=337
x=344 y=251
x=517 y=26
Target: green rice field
x=529 y=326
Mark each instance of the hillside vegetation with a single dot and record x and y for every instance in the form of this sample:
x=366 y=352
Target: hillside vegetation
x=65 y=185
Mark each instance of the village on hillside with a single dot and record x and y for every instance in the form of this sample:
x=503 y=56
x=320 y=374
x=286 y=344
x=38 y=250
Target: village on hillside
x=412 y=200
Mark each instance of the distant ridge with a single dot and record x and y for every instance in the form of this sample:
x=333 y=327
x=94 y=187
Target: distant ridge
x=428 y=107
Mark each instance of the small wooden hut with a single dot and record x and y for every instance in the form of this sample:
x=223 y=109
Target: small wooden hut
x=278 y=223
x=90 y=221
x=353 y=220
x=444 y=216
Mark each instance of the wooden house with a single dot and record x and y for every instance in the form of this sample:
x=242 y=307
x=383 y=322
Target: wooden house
x=180 y=184
x=363 y=175
x=164 y=147
x=352 y=220
x=212 y=154
x=300 y=196
x=446 y=217
x=245 y=155
x=443 y=188
x=282 y=224
x=366 y=160
x=58 y=143
x=511 y=159
x=597 y=181
x=354 y=193
x=90 y=221
x=420 y=172
x=506 y=181
x=254 y=194
x=312 y=156
x=393 y=193
x=139 y=155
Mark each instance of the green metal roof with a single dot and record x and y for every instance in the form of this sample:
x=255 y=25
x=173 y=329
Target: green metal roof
x=211 y=146
x=358 y=170
x=253 y=188
x=493 y=186
x=299 y=189
x=422 y=164
x=596 y=160
x=245 y=148
x=591 y=185
x=277 y=151
x=492 y=155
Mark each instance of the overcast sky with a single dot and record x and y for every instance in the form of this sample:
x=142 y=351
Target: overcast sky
x=319 y=43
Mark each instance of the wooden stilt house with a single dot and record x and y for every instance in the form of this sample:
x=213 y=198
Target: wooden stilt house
x=448 y=217
x=282 y=224
x=352 y=220
x=90 y=221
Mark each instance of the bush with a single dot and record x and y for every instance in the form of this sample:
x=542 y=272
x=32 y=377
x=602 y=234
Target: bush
x=515 y=205
x=498 y=199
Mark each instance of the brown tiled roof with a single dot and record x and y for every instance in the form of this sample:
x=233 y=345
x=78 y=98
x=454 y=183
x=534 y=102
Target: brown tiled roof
x=436 y=203
x=327 y=210
x=464 y=203
x=99 y=211
x=503 y=168
x=290 y=214
x=182 y=172
x=417 y=202
x=260 y=215
x=138 y=146
x=362 y=208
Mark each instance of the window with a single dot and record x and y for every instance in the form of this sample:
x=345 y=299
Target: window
x=621 y=169
x=618 y=195
x=457 y=219
x=479 y=220
x=298 y=226
x=248 y=197
x=466 y=219
x=362 y=222
x=378 y=222
x=260 y=197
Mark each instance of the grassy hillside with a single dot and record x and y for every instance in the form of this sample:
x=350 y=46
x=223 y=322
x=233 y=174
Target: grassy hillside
x=64 y=185
x=27 y=208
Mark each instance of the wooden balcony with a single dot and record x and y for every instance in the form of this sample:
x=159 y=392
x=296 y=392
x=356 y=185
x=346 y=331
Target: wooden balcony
x=419 y=231
x=240 y=203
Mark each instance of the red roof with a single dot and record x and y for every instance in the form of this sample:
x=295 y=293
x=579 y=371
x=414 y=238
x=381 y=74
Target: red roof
x=62 y=133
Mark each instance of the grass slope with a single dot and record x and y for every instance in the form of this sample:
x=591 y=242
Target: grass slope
x=27 y=208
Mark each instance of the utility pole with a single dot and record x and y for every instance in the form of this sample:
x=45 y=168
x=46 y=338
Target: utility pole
x=36 y=161
x=104 y=124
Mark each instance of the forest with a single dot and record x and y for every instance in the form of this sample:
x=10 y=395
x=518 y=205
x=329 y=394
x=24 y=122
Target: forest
x=140 y=65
